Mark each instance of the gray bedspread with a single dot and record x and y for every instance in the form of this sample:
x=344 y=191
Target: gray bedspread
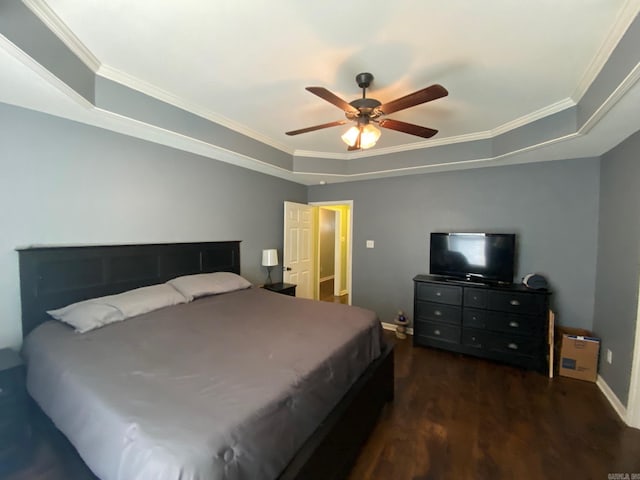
x=225 y=387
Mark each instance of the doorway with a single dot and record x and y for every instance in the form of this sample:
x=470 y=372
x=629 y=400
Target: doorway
x=333 y=244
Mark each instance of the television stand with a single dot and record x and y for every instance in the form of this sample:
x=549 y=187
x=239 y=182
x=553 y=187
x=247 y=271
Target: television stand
x=507 y=323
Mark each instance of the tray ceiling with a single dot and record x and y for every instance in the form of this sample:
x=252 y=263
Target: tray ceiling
x=244 y=64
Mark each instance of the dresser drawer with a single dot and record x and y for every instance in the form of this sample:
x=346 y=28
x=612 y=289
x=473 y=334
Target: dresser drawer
x=511 y=323
x=437 y=331
x=497 y=342
x=438 y=312
x=513 y=344
x=474 y=318
x=475 y=338
x=475 y=297
x=448 y=294
x=515 y=302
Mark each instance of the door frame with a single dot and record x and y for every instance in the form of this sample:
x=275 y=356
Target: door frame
x=337 y=253
x=349 y=203
x=633 y=400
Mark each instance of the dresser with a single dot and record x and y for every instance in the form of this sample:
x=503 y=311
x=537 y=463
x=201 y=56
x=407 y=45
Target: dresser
x=504 y=323
x=15 y=430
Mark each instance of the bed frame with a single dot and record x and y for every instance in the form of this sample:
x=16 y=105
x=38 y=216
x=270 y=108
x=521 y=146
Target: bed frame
x=52 y=277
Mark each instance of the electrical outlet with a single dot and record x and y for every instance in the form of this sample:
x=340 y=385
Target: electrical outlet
x=370 y=243
x=609 y=356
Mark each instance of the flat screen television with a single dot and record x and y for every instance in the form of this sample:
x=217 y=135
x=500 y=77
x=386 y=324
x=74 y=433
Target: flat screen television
x=483 y=257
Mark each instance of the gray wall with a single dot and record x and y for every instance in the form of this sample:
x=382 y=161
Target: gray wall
x=616 y=305
x=552 y=207
x=62 y=182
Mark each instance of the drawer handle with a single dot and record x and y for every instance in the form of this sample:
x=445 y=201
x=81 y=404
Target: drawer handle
x=514 y=302
x=438 y=294
x=514 y=324
x=437 y=313
x=437 y=332
x=513 y=346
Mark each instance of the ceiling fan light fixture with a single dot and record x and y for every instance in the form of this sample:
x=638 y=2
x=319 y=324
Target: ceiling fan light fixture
x=369 y=137
x=350 y=137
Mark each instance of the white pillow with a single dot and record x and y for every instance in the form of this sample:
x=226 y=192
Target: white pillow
x=202 y=284
x=87 y=315
x=145 y=299
x=98 y=312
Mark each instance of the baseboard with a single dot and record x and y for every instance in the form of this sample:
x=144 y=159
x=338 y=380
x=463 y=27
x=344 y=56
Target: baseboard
x=392 y=327
x=613 y=399
x=343 y=292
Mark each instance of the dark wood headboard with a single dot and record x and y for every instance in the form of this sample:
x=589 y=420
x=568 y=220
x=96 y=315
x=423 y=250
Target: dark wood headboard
x=52 y=277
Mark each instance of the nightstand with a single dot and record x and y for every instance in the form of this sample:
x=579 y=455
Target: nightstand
x=15 y=429
x=283 y=288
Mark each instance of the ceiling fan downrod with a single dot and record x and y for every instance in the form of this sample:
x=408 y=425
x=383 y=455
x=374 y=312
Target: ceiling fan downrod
x=364 y=80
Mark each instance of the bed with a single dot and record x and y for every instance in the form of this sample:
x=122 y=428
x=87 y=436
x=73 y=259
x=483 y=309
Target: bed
x=284 y=397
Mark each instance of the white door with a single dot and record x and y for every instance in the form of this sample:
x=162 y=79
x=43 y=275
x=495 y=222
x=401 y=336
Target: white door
x=298 y=247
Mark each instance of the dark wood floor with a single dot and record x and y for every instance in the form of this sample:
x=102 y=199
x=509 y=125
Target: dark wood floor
x=326 y=293
x=457 y=417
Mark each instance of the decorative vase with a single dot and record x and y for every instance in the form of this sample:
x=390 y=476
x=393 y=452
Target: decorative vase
x=401 y=325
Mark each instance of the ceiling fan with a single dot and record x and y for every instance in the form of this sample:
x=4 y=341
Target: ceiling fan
x=368 y=111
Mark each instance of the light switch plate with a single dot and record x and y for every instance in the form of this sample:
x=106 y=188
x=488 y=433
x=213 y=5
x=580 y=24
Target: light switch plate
x=370 y=243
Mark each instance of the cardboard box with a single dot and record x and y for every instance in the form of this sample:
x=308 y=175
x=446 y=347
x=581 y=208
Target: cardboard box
x=559 y=332
x=579 y=357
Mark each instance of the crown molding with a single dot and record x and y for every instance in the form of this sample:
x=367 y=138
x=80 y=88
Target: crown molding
x=151 y=90
x=184 y=142
x=628 y=82
x=443 y=166
x=44 y=12
x=323 y=155
x=46 y=75
x=533 y=116
x=469 y=137
x=625 y=16
x=64 y=33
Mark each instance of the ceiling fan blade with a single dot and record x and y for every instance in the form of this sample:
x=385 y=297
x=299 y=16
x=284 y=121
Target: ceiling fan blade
x=416 y=98
x=317 y=127
x=325 y=94
x=409 y=128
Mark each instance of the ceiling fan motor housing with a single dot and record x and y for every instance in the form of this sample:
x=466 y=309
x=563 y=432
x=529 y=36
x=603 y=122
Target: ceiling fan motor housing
x=364 y=79
x=366 y=107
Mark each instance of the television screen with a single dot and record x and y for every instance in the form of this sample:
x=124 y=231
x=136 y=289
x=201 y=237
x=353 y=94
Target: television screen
x=473 y=256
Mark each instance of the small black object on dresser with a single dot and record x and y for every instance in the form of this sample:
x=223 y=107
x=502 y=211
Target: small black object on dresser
x=283 y=288
x=507 y=323
x=15 y=429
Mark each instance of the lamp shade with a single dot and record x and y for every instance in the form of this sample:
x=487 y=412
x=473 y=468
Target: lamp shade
x=368 y=133
x=369 y=136
x=269 y=257
x=350 y=137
